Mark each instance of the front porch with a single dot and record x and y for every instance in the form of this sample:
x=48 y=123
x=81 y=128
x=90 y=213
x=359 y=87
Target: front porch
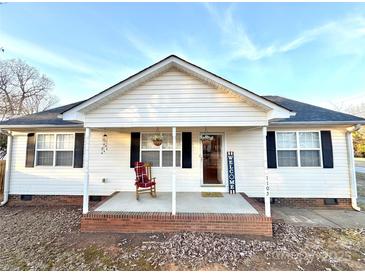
x=184 y=169
x=228 y=214
x=186 y=202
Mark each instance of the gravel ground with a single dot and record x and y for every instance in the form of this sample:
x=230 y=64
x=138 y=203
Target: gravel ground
x=49 y=239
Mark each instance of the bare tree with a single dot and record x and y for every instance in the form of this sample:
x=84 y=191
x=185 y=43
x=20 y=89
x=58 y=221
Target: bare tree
x=354 y=109
x=23 y=90
x=358 y=136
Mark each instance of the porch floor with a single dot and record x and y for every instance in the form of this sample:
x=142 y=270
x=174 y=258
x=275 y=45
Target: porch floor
x=186 y=202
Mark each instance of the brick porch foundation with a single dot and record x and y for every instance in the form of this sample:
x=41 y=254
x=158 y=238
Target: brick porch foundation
x=128 y=222
x=154 y=222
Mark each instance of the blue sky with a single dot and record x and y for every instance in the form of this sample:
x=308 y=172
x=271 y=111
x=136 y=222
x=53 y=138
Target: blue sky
x=314 y=52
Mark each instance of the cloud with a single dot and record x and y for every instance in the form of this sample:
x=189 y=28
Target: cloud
x=154 y=52
x=34 y=52
x=344 y=36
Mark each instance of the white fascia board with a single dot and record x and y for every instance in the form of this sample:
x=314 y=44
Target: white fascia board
x=74 y=113
x=73 y=116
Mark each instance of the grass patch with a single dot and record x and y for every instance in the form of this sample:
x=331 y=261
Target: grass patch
x=97 y=257
x=212 y=194
x=21 y=264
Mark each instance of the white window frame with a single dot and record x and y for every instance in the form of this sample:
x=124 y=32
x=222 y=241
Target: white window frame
x=55 y=149
x=160 y=149
x=298 y=148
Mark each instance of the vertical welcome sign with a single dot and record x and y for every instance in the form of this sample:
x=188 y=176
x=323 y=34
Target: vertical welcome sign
x=231 y=174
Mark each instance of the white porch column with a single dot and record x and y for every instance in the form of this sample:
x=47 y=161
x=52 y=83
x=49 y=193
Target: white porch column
x=85 y=207
x=173 y=188
x=267 y=187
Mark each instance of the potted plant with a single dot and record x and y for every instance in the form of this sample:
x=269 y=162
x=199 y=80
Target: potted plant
x=157 y=140
x=206 y=139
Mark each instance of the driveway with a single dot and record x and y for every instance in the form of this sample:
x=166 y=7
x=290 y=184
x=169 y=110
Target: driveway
x=336 y=218
x=360 y=169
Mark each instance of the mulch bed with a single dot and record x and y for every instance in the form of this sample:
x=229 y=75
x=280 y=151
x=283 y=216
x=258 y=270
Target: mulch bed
x=40 y=238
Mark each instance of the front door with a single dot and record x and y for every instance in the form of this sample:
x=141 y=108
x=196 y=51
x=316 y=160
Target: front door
x=212 y=160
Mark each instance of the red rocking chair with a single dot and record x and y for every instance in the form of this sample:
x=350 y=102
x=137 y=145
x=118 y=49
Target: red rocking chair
x=144 y=183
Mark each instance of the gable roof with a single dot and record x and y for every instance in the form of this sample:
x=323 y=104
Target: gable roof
x=310 y=114
x=305 y=114
x=179 y=63
x=47 y=118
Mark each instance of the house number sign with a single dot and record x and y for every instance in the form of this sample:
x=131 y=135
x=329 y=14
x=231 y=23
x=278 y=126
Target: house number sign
x=267 y=187
x=231 y=175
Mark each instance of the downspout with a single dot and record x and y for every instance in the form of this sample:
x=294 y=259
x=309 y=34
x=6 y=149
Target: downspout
x=7 y=167
x=350 y=152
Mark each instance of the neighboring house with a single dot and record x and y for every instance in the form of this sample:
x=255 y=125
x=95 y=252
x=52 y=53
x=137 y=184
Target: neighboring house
x=303 y=153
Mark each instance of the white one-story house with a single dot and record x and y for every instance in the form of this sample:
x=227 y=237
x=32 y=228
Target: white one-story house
x=291 y=152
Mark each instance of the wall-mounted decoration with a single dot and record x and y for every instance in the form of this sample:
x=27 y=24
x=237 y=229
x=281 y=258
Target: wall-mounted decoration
x=231 y=174
x=104 y=146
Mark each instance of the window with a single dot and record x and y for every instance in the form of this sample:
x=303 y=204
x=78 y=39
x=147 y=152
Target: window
x=160 y=156
x=54 y=149
x=298 y=149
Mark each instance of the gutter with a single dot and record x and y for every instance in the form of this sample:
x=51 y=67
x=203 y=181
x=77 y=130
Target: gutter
x=7 y=166
x=293 y=123
x=42 y=126
x=350 y=151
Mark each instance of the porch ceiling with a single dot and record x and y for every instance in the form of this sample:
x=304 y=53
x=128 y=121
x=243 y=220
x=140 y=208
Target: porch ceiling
x=186 y=202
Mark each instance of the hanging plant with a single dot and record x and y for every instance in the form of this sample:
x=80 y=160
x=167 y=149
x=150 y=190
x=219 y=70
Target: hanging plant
x=157 y=140
x=206 y=139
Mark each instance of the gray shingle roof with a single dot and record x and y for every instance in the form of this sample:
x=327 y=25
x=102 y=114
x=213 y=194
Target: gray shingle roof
x=43 y=118
x=312 y=114
x=305 y=113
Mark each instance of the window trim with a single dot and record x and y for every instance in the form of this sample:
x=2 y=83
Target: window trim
x=160 y=150
x=298 y=149
x=54 y=149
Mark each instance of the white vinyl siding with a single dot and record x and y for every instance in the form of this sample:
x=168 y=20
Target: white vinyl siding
x=41 y=180
x=247 y=144
x=175 y=98
x=314 y=182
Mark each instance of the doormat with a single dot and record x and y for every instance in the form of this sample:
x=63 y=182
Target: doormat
x=212 y=194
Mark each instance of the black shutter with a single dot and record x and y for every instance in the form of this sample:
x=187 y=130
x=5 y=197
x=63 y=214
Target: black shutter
x=186 y=150
x=271 y=149
x=29 y=159
x=79 y=150
x=135 y=145
x=327 y=151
